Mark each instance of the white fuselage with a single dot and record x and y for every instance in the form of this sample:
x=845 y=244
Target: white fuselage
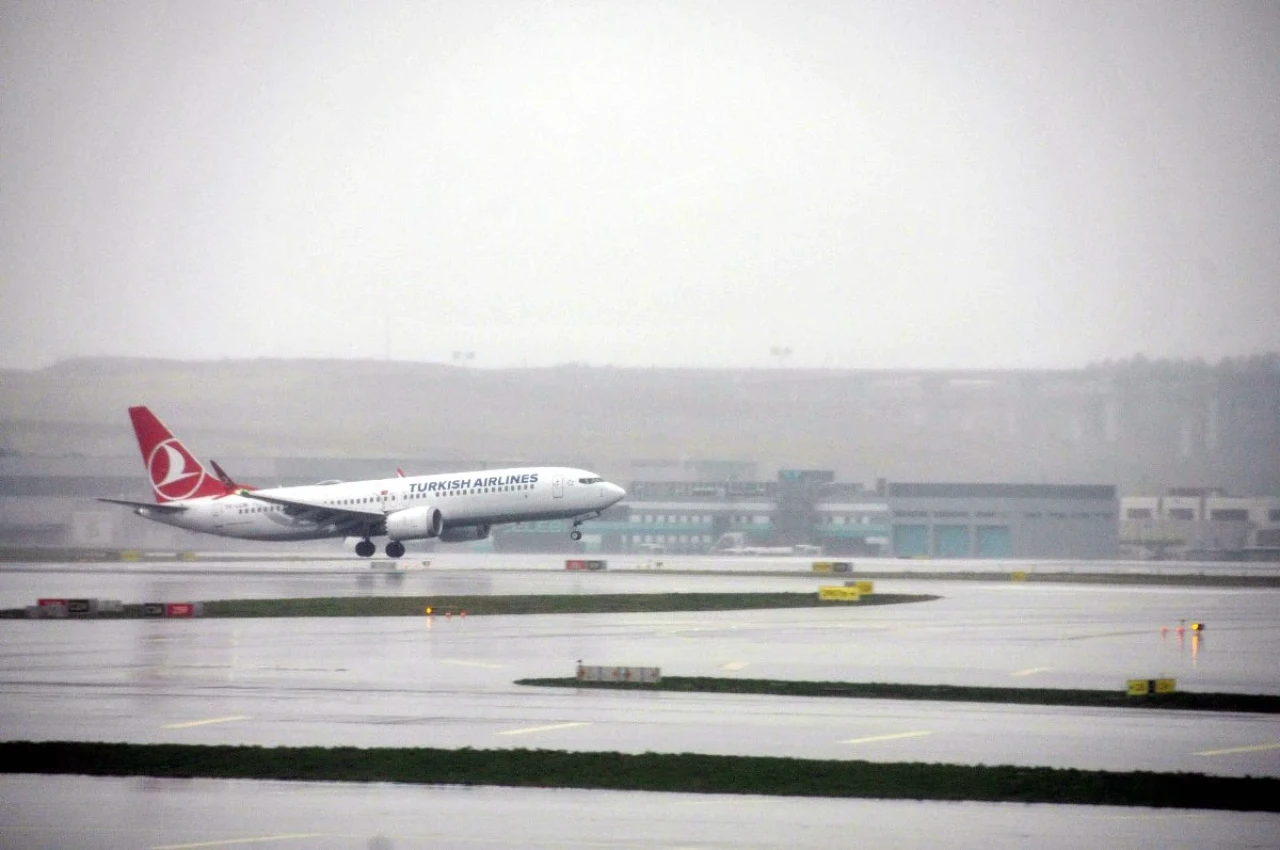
x=481 y=498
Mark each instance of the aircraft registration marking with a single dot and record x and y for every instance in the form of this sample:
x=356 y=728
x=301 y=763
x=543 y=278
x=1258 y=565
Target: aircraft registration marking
x=1256 y=748
x=532 y=729
x=229 y=842
x=211 y=721
x=895 y=737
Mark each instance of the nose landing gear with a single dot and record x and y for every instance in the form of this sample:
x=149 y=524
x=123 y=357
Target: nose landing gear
x=577 y=521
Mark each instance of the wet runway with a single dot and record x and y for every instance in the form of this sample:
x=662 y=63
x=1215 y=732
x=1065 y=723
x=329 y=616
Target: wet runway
x=77 y=813
x=452 y=575
x=449 y=682
x=469 y=573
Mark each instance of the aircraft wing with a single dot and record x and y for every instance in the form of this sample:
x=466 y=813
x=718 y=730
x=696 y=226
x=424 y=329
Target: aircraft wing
x=151 y=506
x=341 y=518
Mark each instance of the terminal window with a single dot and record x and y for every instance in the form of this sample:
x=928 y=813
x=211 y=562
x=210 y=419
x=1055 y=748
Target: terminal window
x=1229 y=515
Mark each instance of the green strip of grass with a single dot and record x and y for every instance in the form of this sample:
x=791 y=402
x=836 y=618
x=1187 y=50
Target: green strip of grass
x=684 y=773
x=407 y=606
x=1257 y=703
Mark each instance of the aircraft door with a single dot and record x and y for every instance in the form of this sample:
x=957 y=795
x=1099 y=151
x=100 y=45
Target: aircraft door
x=557 y=488
x=392 y=501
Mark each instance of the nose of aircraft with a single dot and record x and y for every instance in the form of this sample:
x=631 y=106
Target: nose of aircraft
x=615 y=492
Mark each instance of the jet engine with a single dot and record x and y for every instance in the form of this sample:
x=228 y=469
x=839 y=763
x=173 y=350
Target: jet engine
x=415 y=523
x=463 y=533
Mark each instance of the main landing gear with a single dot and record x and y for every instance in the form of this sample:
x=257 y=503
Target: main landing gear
x=365 y=548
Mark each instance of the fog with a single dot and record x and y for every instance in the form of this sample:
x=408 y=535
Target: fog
x=879 y=184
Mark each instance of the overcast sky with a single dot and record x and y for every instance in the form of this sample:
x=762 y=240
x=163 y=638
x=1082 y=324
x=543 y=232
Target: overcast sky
x=871 y=184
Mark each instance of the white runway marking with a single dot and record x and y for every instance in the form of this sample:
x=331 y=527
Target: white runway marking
x=208 y=722
x=292 y=836
x=532 y=729
x=1256 y=748
x=735 y=665
x=1030 y=671
x=896 y=737
x=474 y=664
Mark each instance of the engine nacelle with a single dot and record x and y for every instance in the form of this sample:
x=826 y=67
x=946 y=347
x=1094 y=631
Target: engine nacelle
x=415 y=523
x=463 y=533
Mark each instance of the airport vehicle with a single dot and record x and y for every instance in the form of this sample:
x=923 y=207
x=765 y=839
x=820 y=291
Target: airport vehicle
x=451 y=508
x=736 y=543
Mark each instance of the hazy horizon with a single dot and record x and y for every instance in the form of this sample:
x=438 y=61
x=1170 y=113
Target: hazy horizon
x=1268 y=360
x=874 y=185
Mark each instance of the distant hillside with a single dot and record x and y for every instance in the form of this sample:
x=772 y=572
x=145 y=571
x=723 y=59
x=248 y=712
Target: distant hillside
x=1135 y=428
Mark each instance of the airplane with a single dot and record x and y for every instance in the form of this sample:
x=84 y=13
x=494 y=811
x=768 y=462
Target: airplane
x=452 y=508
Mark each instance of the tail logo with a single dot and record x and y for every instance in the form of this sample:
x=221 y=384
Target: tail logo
x=175 y=474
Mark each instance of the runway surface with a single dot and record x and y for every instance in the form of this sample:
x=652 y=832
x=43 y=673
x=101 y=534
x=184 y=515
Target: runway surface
x=449 y=682
x=471 y=573
x=78 y=813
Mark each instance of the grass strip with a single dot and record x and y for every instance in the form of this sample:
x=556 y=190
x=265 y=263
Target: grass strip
x=681 y=773
x=586 y=603
x=1256 y=703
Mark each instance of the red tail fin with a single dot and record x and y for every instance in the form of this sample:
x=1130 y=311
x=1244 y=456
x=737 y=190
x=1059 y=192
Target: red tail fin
x=175 y=473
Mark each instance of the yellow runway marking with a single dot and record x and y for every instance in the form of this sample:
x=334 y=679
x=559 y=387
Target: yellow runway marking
x=292 y=836
x=896 y=737
x=473 y=664
x=532 y=729
x=1031 y=671
x=734 y=665
x=1256 y=748
x=208 y=722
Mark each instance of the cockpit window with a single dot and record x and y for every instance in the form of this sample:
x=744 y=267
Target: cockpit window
x=590 y=480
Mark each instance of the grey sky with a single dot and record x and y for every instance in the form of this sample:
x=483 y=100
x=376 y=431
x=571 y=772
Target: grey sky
x=873 y=184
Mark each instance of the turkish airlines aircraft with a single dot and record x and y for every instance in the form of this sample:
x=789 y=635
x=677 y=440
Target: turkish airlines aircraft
x=452 y=508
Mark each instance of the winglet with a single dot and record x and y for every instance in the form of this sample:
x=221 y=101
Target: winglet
x=232 y=486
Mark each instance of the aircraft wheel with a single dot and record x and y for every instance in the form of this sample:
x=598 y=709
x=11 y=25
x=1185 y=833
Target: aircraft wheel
x=575 y=535
x=395 y=549
x=365 y=548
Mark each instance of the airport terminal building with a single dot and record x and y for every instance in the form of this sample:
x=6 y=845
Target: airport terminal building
x=808 y=511
x=1200 y=524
